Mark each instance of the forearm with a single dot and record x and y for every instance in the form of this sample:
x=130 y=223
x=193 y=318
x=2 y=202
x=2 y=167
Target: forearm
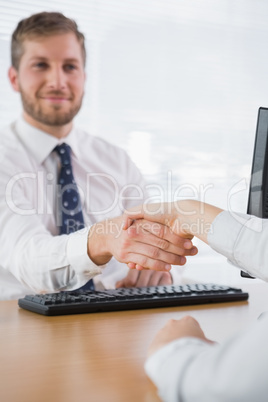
x=239 y=237
x=39 y=260
x=51 y=263
x=191 y=370
x=195 y=217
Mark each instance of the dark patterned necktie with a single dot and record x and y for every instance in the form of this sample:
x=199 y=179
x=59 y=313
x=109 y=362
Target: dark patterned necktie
x=69 y=199
x=69 y=202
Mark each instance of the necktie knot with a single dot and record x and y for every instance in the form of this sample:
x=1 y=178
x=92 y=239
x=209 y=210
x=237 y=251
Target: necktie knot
x=64 y=152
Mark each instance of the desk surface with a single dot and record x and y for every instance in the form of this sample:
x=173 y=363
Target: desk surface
x=99 y=357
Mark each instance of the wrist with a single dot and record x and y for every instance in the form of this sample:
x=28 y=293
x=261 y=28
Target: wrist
x=97 y=248
x=196 y=217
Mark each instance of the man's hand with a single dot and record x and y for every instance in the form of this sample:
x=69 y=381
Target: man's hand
x=145 y=244
x=137 y=278
x=176 y=329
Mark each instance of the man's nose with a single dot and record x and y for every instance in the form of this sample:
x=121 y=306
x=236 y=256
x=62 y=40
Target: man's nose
x=56 y=78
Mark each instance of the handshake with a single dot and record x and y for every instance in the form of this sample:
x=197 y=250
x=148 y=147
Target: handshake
x=152 y=236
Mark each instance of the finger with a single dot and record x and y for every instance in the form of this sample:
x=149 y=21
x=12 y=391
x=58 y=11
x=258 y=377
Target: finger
x=153 y=212
x=140 y=268
x=127 y=222
x=189 y=320
x=145 y=262
x=144 y=278
x=131 y=214
x=120 y=284
x=131 y=279
x=153 y=278
x=165 y=232
x=165 y=279
x=155 y=253
x=166 y=239
x=131 y=265
x=138 y=233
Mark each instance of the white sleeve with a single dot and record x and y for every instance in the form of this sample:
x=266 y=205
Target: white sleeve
x=190 y=370
x=36 y=258
x=243 y=240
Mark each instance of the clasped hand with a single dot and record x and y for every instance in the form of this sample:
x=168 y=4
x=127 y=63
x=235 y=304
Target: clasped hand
x=143 y=245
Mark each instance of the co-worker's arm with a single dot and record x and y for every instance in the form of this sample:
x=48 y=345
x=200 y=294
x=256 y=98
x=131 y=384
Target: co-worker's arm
x=187 y=367
x=241 y=238
x=183 y=363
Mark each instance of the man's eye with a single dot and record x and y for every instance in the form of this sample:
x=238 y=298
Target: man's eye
x=41 y=64
x=69 y=67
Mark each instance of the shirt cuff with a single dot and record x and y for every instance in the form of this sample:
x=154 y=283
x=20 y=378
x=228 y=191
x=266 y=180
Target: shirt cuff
x=225 y=231
x=78 y=258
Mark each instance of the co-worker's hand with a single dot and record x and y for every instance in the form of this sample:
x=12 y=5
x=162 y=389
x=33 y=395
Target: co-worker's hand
x=144 y=244
x=137 y=278
x=176 y=329
x=186 y=218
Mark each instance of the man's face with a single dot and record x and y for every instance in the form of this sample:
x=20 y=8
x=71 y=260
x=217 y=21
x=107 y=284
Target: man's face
x=51 y=79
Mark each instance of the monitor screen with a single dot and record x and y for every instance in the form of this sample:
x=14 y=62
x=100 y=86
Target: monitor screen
x=258 y=197
x=258 y=190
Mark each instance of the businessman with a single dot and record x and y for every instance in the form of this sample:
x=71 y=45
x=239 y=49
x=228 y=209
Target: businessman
x=63 y=190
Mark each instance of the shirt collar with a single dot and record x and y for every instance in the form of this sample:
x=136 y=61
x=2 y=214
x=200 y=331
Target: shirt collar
x=39 y=143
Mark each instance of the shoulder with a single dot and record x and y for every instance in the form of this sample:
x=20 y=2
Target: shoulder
x=7 y=132
x=8 y=139
x=13 y=153
x=98 y=142
x=94 y=146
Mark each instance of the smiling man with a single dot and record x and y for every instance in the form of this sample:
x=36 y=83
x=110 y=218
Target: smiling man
x=63 y=190
x=50 y=77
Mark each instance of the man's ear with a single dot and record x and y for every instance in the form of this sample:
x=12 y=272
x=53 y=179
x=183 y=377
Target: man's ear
x=13 y=78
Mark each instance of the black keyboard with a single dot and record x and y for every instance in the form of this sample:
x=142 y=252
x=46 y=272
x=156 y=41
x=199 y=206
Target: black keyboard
x=77 y=302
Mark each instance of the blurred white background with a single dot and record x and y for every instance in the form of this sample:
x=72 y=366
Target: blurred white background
x=176 y=83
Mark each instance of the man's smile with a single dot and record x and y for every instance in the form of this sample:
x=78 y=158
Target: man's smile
x=55 y=98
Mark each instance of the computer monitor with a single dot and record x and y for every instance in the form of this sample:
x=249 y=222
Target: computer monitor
x=258 y=190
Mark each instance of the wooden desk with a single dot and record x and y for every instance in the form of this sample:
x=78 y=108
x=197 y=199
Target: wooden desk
x=98 y=357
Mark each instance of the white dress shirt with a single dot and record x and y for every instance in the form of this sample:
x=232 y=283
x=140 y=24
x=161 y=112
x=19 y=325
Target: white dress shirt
x=191 y=370
x=33 y=258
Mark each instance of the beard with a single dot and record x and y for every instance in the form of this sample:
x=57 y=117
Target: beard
x=55 y=116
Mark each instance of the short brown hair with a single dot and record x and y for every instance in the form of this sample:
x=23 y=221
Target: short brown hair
x=42 y=24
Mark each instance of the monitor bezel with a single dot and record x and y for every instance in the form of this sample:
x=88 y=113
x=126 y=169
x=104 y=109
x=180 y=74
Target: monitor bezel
x=264 y=179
